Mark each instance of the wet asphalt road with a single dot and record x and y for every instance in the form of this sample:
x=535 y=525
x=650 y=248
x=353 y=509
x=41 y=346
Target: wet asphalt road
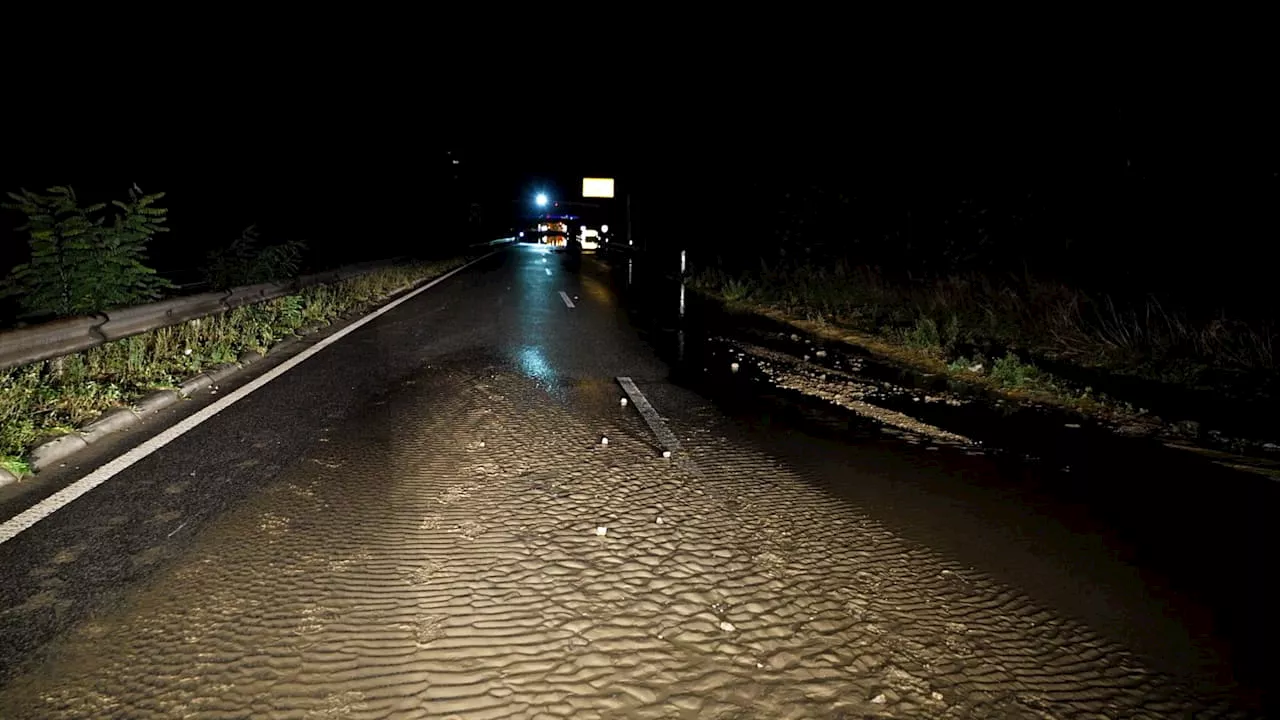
x=420 y=521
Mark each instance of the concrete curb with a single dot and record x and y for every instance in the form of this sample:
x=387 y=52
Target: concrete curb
x=222 y=372
x=156 y=401
x=284 y=344
x=110 y=422
x=56 y=450
x=53 y=452
x=193 y=385
x=7 y=478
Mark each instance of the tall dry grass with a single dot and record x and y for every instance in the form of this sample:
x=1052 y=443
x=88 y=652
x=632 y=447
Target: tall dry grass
x=1042 y=317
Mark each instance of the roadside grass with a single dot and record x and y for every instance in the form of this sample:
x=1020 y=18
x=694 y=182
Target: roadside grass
x=952 y=324
x=16 y=466
x=54 y=397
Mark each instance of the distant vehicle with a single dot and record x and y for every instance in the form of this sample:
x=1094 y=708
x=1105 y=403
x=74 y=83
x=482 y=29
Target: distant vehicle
x=555 y=234
x=589 y=240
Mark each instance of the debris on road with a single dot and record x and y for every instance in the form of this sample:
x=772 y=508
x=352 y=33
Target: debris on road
x=843 y=389
x=601 y=530
x=727 y=626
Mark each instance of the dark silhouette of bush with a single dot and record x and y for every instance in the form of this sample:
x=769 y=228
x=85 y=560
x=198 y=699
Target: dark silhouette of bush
x=79 y=263
x=246 y=261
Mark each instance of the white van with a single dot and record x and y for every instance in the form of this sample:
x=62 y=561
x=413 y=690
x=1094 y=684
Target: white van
x=589 y=239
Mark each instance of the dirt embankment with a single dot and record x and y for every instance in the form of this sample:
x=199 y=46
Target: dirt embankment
x=805 y=358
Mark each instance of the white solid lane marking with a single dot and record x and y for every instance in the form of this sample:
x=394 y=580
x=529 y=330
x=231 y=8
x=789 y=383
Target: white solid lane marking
x=548 y=270
x=651 y=417
x=43 y=509
x=565 y=297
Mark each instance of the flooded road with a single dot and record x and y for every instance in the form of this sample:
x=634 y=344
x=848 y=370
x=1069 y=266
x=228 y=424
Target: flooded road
x=1160 y=549
x=486 y=531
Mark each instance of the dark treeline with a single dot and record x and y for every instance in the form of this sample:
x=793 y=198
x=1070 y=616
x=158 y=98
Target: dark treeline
x=1181 y=202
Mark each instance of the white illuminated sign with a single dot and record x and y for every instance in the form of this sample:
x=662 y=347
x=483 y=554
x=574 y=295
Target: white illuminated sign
x=597 y=187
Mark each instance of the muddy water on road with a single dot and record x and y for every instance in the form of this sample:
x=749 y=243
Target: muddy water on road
x=437 y=559
x=1158 y=550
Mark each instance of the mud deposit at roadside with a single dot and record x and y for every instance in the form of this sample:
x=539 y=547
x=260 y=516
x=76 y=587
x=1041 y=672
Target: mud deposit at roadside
x=845 y=389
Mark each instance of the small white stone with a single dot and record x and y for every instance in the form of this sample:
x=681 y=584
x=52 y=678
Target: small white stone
x=660 y=520
x=666 y=453
x=1073 y=426
x=821 y=353
x=733 y=367
x=759 y=665
x=806 y=358
x=727 y=626
x=604 y=441
x=880 y=699
x=623 y=402
x=187 y=351
x=602 y=530
x=937 y=696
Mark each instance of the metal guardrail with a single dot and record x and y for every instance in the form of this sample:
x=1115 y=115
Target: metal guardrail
x=493 y=243
x=69 y=335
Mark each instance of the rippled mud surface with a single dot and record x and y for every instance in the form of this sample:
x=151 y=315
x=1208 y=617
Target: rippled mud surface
x=468 y=548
